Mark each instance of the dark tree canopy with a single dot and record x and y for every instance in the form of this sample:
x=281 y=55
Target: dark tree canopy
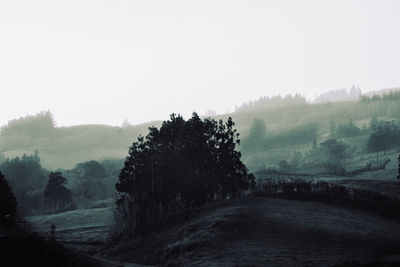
x=27 y=179
x=182 y=165
x=8 y=202
x=56 y=194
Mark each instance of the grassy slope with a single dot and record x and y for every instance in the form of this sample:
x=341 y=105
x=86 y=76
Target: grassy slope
x=245 y=232
x=268 y=232
x=86 y=230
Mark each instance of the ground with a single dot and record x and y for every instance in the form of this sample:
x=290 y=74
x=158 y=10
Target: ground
x=249 y=231
x=86 y=230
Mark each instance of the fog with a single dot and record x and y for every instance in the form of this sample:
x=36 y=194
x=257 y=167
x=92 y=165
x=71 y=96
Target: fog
x=200 y=133
x=99 y=62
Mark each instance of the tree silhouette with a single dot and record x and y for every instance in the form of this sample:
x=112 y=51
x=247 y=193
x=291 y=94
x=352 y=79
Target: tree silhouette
x=8 y=202
x=182 y=165
x=27 y=179
x=56 y=194
x=336 y=153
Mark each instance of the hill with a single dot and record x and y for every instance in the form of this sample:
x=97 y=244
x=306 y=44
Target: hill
x=63 y=147
x=249 y=231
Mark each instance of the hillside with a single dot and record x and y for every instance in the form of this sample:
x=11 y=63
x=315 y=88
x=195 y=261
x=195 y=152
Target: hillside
x=63 y=147
x=247 y=232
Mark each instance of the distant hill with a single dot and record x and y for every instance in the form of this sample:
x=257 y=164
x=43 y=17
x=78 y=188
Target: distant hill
x=64 y=147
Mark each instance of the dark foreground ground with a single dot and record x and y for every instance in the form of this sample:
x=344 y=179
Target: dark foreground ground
x=255 y=231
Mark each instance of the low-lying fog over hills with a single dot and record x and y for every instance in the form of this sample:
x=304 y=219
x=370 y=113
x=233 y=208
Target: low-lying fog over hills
x=200 y=133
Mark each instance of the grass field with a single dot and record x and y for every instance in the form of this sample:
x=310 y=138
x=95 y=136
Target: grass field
x=84 y=230
x=248 y=231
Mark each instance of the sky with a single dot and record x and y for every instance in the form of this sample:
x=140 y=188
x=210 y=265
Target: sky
x=99 y=62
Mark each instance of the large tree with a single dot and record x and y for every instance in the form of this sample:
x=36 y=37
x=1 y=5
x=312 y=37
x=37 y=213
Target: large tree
x=182 y=165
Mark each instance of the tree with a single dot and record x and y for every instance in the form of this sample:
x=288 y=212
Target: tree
x=56 y=194
x=383 y=138
x=8 y=202
x=182 y=165
x=91 y=176
x=373 y=124
x=256 y=135
x=27 y=179
x=336 y=153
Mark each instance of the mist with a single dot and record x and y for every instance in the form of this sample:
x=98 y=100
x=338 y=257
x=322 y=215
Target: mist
x=93 y=62
x=200 y=133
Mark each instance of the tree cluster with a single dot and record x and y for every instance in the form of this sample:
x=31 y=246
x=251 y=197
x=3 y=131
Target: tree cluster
x=57 y=196
x=92 y=181
x=329 y=156
x=27 y=178
x=389 y=96
x=336 y=153
x=277 y=101
x=182 y=165
x=384 y=136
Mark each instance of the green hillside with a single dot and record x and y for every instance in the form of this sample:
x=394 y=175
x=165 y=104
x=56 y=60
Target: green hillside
x=63 y=147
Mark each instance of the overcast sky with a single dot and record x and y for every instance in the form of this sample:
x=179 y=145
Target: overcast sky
x=96 y=61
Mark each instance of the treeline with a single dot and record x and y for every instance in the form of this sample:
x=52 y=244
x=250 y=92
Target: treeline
x=39 y=190
x=390 y=96
x=272 y=102
x=181 y=166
